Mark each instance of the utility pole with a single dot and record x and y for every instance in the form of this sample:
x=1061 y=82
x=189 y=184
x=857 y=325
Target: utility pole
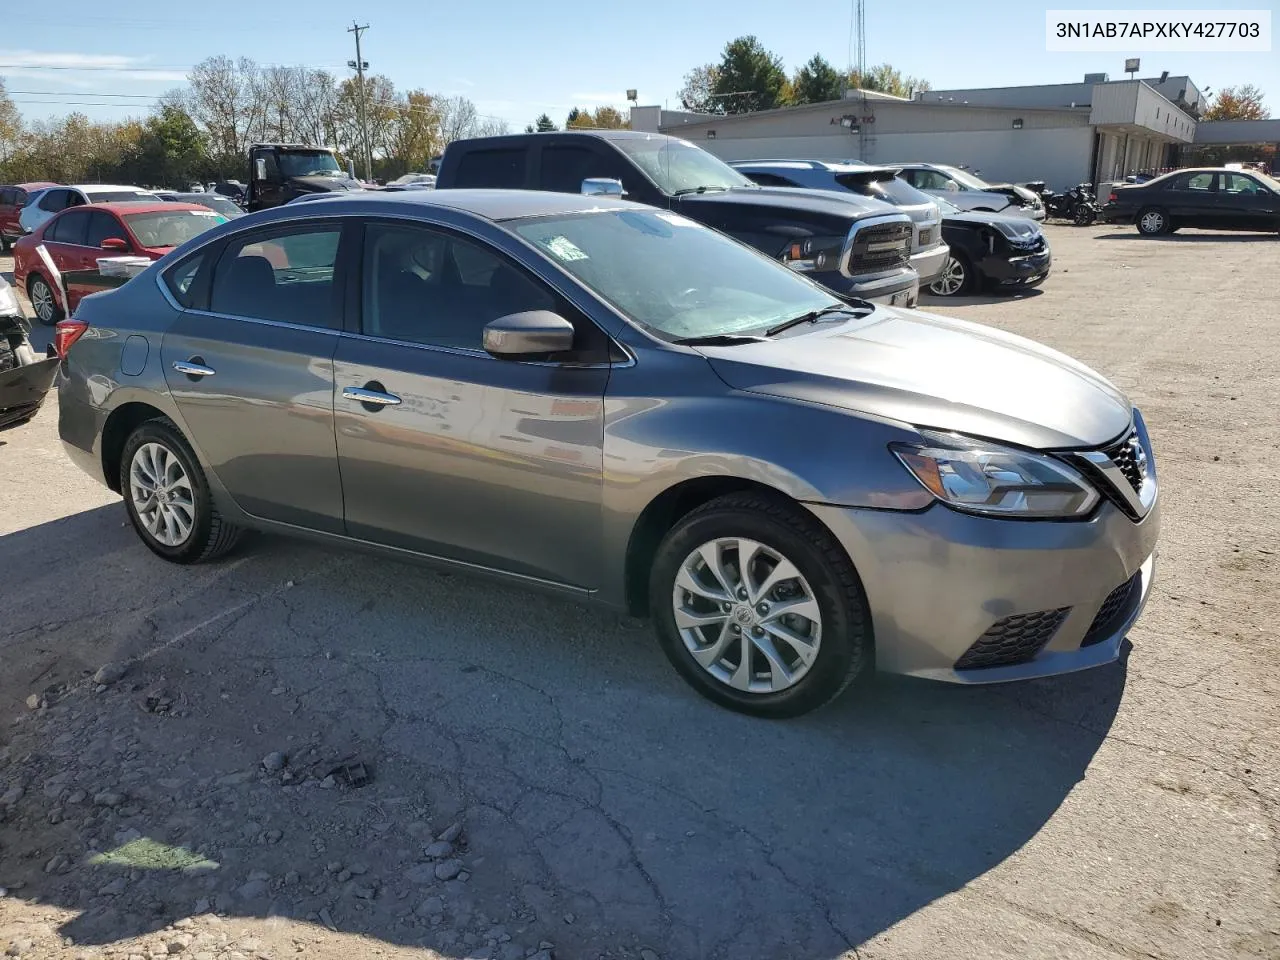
x=360 y=65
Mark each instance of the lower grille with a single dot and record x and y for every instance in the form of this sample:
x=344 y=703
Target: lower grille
x=1115 y=610
x=880 y=247
x=1013 y=640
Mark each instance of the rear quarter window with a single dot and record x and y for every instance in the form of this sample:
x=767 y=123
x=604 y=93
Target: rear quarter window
x=500 y=168
x=182 y=279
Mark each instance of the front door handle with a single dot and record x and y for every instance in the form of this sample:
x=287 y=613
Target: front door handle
x=193 y=368
x=372 y=396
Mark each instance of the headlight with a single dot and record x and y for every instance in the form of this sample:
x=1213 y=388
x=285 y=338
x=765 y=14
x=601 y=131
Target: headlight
x=813 y=254
x=981 y=477
x=8 y=301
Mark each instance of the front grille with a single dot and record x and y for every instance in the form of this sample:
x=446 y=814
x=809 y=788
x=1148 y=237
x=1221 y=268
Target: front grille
x=880 y=247
x=1013 y=640
x=1125 y=456
x=1115 y=610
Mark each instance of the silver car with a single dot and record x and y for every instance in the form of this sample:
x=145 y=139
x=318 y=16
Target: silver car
x=970 y=192
x=616 y=403
x=929 y=254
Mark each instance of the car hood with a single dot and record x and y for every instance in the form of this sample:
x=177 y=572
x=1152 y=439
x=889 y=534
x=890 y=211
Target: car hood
x=815 y=203
x=932 y=371
x=328 y=184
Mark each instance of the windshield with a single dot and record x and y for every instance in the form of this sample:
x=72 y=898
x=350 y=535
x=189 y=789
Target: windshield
x=671 y=275
x=170 y=228
x=1269 y=181
x=676 y=166
x=216 y=203
x=894 y=191
x=965 y=179
x=308 y=163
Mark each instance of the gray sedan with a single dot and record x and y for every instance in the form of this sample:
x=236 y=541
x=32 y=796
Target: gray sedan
x=616 y=403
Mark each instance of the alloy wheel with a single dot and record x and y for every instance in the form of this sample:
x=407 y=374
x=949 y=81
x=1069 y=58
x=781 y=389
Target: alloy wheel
x=747 y=615
x=1152 y=222
x=42 y=301
x=952 y=279
x=162 y=495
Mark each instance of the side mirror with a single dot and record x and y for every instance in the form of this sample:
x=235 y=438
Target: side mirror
x=115 y=243
x=602 y=187
x=260 y=169
x=529 y=333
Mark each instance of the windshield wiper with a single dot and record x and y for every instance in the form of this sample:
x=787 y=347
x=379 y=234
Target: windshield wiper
x=811 y=317
x=702 y=189
x=718 y=340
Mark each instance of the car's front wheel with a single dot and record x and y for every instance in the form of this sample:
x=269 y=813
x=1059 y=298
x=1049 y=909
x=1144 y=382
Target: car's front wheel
x=167 y=496
x=957 y=277
x=43 y=301
x=1152 y=222
x=758 y=607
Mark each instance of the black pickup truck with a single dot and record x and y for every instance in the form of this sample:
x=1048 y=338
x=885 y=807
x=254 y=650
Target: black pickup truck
x=280 y=172
x=855 y=246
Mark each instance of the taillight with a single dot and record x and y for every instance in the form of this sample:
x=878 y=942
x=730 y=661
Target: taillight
x=66 y=333
x=1113 y=198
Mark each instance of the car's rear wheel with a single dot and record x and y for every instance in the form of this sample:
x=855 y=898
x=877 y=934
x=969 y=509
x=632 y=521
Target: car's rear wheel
x=1152 y=222
x=758 y=607
x=43 y=301
x=167 y=496
x=957 y=277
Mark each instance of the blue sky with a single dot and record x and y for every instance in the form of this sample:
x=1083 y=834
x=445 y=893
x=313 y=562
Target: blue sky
x=516 y=59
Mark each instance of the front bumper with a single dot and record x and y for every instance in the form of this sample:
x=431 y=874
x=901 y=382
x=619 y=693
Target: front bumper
x=1019 y=268
x=899 y=287
x=938 y=580
x=929 y=262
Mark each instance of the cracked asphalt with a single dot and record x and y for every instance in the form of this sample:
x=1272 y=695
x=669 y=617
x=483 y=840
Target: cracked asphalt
x=542 y=784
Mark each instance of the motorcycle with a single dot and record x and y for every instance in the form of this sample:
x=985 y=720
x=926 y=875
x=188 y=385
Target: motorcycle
x=1078 y=205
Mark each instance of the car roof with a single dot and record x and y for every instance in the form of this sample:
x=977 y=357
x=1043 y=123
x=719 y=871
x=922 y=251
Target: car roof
x=490 y=204
x=104 y=187
x=834 y=166
x=34 y=185
x=144 y=206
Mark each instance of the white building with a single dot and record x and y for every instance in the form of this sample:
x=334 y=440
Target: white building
x=1095 y=131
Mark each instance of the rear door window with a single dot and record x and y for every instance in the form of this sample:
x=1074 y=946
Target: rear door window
x=69 y=228
x=1194 y=182
x=287 y=277
x=54 y=200
x=500 y=168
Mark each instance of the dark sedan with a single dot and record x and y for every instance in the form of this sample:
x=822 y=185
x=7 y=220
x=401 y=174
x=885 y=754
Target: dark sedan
x=989 y=250
x=1215 y=198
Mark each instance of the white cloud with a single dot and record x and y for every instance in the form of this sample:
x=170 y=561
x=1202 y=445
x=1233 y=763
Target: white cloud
x=82 y=69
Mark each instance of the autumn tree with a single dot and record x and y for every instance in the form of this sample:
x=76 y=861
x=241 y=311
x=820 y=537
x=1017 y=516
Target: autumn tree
x=886 y=78
x=10 y=124
x=1237 y=103
x=817 y=81
x=749 y=77
x=697 y=94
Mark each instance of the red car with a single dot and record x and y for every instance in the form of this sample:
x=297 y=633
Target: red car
x=13 y=197
x=75 y=239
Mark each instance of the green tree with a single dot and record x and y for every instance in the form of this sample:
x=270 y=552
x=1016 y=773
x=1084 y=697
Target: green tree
x=749 y=77
x=888 y=79
x=577 y=119
x=699 y=86
x=1237 y=103
x=171 y=149
x=544 y=124
x=817 y=81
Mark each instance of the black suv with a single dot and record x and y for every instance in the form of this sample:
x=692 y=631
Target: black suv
x=855 y=246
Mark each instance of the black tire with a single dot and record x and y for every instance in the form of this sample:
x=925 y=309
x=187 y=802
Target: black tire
x=1084 y=216
x=55 y=312
x=210 y=536
x=1153 y=221
x=846 y=647
x=968 y=280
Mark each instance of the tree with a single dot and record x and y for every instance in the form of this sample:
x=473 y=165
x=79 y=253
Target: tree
x=749 y=77
x=699 y=86
x=544 y=124
x=170 y=148
x=888 y=79
x=10 y=125
x=413 y=136
x=609 y=118
x=817 y=81
x=578 y=119
x=1237 y=103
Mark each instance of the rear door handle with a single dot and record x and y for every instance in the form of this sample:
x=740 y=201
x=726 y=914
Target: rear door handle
x=371 y=398
x=193 y=369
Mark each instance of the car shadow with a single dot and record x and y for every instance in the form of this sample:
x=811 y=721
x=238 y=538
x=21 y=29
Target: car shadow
x=1199 y=237
x=602 y=804
x=984 y=297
